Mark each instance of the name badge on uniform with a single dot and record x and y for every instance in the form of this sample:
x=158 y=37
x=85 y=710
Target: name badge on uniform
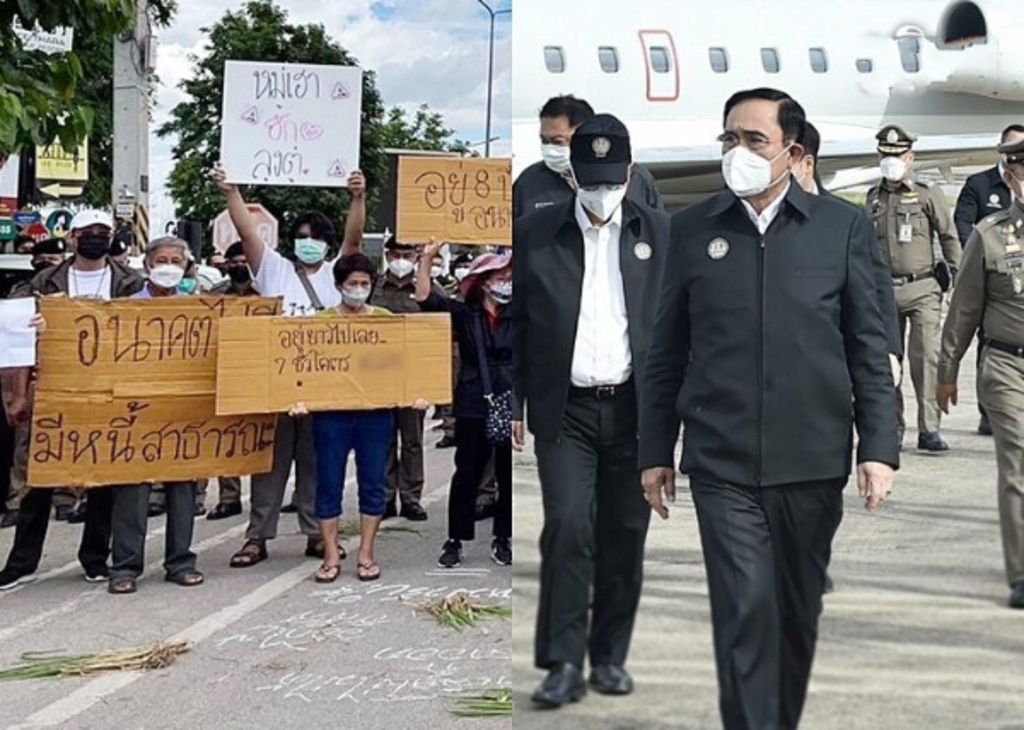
x=642 y=251
x=993 y=201
x=906 y=232
x=718 y=249
x=1018 y=283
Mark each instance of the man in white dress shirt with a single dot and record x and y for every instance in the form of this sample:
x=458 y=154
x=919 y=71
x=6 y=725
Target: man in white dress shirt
x=583 y=309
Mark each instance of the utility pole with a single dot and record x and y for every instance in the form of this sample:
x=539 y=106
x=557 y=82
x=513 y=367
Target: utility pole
x=490 y=73
x=134 y=59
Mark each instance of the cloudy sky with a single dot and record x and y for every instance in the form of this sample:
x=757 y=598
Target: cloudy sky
x=423 y=51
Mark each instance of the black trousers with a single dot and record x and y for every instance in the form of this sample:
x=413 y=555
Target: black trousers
x=6 y=459
x=595 y=525
x=766 y=552
x=34 y=517
x=472 y=457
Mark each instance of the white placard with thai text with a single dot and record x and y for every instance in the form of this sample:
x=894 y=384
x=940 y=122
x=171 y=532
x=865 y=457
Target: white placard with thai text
x=290 y=124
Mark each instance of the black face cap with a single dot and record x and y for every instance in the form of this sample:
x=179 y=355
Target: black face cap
x=600 y=152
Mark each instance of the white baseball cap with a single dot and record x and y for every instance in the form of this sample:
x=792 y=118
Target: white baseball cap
x=91 y=217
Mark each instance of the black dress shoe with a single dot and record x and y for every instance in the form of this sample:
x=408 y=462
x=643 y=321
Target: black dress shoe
x=155 y=510
x=1017 y=595
x=413 y=513
x=77 y=516
x=446 y=442
x=932 y=442
x=224 y=510
x=608 y=679
x=485 y=511
x=10 y=519
x=390 y=511
x=564 y=684
x=985 y=426
x=63 y=512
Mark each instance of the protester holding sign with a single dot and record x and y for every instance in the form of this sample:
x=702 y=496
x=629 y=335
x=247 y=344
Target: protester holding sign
x=307 y=286
x=483 y=327
x=89 y=273
x=167 y=260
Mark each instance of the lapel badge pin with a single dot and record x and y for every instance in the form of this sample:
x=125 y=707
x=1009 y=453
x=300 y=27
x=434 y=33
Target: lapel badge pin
x=642 y=251
x=718 y=249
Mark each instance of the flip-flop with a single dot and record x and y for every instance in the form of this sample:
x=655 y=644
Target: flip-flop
x=368 y=571
x=327 y=573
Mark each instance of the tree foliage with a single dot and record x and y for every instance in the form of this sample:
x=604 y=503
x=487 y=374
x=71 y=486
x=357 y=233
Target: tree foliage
x=260 y=31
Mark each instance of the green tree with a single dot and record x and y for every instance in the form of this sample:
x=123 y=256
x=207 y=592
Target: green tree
x=426 y=131
x=260 y=31
x=38 y=101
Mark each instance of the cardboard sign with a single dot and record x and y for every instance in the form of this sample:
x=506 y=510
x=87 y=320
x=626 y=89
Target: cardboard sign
x=224 y=232
x=126 y=394
x=455 y=199
x=267 y=365
x=291 y=124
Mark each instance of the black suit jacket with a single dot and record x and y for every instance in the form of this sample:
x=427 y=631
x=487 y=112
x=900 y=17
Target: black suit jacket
x=770 y=352
x=983 y=194
x=548 y=278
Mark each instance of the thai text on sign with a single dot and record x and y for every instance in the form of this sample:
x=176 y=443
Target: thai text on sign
x=336 y=363
x=454 y=199
x=126 y=394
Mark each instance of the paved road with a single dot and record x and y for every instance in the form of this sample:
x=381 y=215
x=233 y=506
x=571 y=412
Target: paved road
x=272 y=648
x=915 y=636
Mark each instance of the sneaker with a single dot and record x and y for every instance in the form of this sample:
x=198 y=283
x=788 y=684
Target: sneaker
x=12 y=579
x=501 y=551
x=101 y=576
x=451 y=554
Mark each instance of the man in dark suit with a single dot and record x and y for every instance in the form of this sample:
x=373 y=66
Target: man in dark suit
x=983 y=194
x=584 y=273
x=769 y=345
x=549 y=182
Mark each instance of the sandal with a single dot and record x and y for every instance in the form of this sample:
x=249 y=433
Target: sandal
x=121 y=586
x=327 y=573
x=186 y=578
x=368 y=571
x=315 y=549
x=247 y=556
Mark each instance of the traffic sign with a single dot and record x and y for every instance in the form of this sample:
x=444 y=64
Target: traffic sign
x=53 y=163
x=124 y=210
x=23 y=218
x=8 y=231
x=224 y=233
x=58 y=223
x=59 y=190
x=37 y=231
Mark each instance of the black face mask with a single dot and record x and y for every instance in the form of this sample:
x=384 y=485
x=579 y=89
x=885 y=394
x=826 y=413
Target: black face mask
x=93 y=247
x=239 y=274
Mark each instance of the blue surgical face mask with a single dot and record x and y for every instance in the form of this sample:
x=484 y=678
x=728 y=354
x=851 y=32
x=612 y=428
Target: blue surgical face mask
x=310 y=251
x=188 y=285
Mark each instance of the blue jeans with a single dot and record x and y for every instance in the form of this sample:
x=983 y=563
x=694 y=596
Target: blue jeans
x=335 y=435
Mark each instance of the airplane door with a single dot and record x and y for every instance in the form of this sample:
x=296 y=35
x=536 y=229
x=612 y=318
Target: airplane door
x=661 y=63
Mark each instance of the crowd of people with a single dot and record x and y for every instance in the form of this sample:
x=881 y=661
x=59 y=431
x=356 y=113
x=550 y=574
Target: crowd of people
x=766 y=325
x=327 y=278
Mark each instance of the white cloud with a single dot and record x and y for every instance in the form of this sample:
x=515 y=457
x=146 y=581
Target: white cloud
x=423 y=51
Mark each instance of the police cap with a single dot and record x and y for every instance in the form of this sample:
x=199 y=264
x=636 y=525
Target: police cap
x=894 y=140
x=600 y=152
x=49 y=246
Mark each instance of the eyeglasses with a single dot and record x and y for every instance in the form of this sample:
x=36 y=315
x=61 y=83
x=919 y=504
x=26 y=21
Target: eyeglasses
x=754 y=141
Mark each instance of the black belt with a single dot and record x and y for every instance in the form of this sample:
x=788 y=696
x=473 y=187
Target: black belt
x=901 y=280
x=1009 y=349
x=602 y=392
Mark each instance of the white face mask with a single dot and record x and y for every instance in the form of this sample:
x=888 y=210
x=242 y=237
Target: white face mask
x=436 y=272
x=748 y=174
x=893 y=169
x=401 y=268
x=556 y=157
x=166 y=276
x=355 y=296
x=460 y=273
x=602 y=201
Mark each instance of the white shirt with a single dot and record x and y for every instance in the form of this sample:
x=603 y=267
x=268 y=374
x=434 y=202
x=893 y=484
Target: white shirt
x=765 y=218
x=601 y=355
x=90 y=284
x=277 y=278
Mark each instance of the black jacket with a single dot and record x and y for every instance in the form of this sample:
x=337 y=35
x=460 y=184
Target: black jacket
x=886 y=293
x=983 y=194
x=770 y=353
x=537 y=187
x=467 y=321
x=547 y=271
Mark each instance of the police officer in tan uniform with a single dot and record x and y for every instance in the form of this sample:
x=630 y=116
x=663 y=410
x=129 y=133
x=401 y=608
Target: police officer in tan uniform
x=990 y=294
x=908 y=216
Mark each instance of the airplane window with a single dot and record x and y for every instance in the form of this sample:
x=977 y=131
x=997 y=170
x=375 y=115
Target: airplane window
x=554 y=59
x=609 y=58
x=910 y=54
x=819 y=61
x=719 y=60
x=660 y=60
x=865 y=66
x=770 y=60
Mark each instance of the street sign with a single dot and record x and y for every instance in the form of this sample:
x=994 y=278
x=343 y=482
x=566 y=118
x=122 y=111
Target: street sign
x=224 y=233
x=58 y=222
x=54 y=164
x=59 y=40
x=61 y=191
x=25 y=218
x=124 y=211
x=8 y=231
